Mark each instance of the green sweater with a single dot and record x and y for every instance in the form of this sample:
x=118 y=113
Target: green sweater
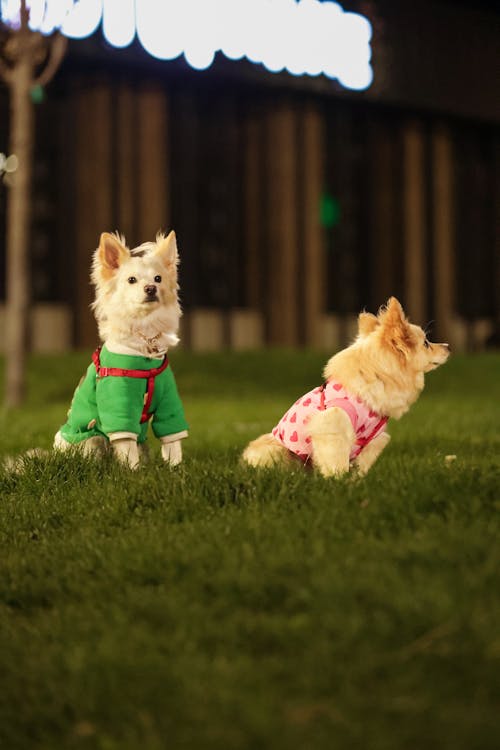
x=113 y=403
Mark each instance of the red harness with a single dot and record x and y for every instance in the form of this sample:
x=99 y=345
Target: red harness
x=103 y=372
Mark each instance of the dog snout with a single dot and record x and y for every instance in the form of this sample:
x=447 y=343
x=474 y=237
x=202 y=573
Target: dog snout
x=150 y=290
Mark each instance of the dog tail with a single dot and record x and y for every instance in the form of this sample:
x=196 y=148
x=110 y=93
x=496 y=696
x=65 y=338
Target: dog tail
x=17 y=464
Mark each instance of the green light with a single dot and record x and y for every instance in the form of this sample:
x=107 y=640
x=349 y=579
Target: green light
x=329 y=211
x=37 y=94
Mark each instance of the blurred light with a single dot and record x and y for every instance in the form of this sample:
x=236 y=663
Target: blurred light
x=329 y=211
x=10 y=12
x=202 y=33
x=82 y=19
x=233 y=29
x=118 y=22
x=53 y=15
x=37 y=94
x=161 y=29
x=8 y=163
x=37 y=10
x=8 y=167
x=357 y=77
x=305 y=37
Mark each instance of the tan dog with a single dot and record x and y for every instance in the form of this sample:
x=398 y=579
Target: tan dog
x=341 y=424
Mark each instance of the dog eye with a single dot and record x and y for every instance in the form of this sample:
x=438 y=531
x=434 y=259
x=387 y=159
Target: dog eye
x=426 y=344
x=157 y=279
x=132 y=280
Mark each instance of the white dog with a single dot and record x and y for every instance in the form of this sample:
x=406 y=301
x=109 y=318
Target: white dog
x=129 y=382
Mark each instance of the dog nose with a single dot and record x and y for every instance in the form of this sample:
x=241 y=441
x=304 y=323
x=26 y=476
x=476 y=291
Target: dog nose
x=150 y=290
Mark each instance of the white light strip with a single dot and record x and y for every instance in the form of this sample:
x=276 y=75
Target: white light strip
x=118 y=22
x=303 y=37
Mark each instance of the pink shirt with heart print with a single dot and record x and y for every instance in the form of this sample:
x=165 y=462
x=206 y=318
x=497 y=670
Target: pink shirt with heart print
x=292 y=431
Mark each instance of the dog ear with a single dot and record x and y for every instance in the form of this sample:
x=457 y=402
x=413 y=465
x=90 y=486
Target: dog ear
x=111 y=253
x=393 y=306
x=397 y=333
x=395 y=309
x=167 y=249
x=367 y=322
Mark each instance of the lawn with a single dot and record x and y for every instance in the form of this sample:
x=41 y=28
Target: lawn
x=216 y=607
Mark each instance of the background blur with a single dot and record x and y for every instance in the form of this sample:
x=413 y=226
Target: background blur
x=296 y=202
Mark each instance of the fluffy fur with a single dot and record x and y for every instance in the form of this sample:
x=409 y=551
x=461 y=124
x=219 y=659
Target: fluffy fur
x=126 y=316
x=385 y=368
x=137 y=311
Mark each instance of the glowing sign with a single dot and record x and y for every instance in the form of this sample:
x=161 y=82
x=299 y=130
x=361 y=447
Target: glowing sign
x=303 y=37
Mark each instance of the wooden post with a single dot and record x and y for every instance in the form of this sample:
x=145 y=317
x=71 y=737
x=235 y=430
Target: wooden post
x=313 y=249
x=152 y=153
x=93 y=209
x=252 y=161
x=385 y=201
x=126 y=166
x=444 y=256
x=495 y=338
x=414 y=224
x=283 y=241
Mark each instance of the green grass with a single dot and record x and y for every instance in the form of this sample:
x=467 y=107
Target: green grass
x=212 y=606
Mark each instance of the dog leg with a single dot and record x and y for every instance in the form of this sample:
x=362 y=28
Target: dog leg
x=60 y=444
x=17 y=464
x=371 y=452
x=266 y=451
x=332 y=437
x=95 y=446
x=171 y=451
x=124 y=446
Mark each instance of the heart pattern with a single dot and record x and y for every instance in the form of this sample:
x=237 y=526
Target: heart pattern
x=292 y=430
